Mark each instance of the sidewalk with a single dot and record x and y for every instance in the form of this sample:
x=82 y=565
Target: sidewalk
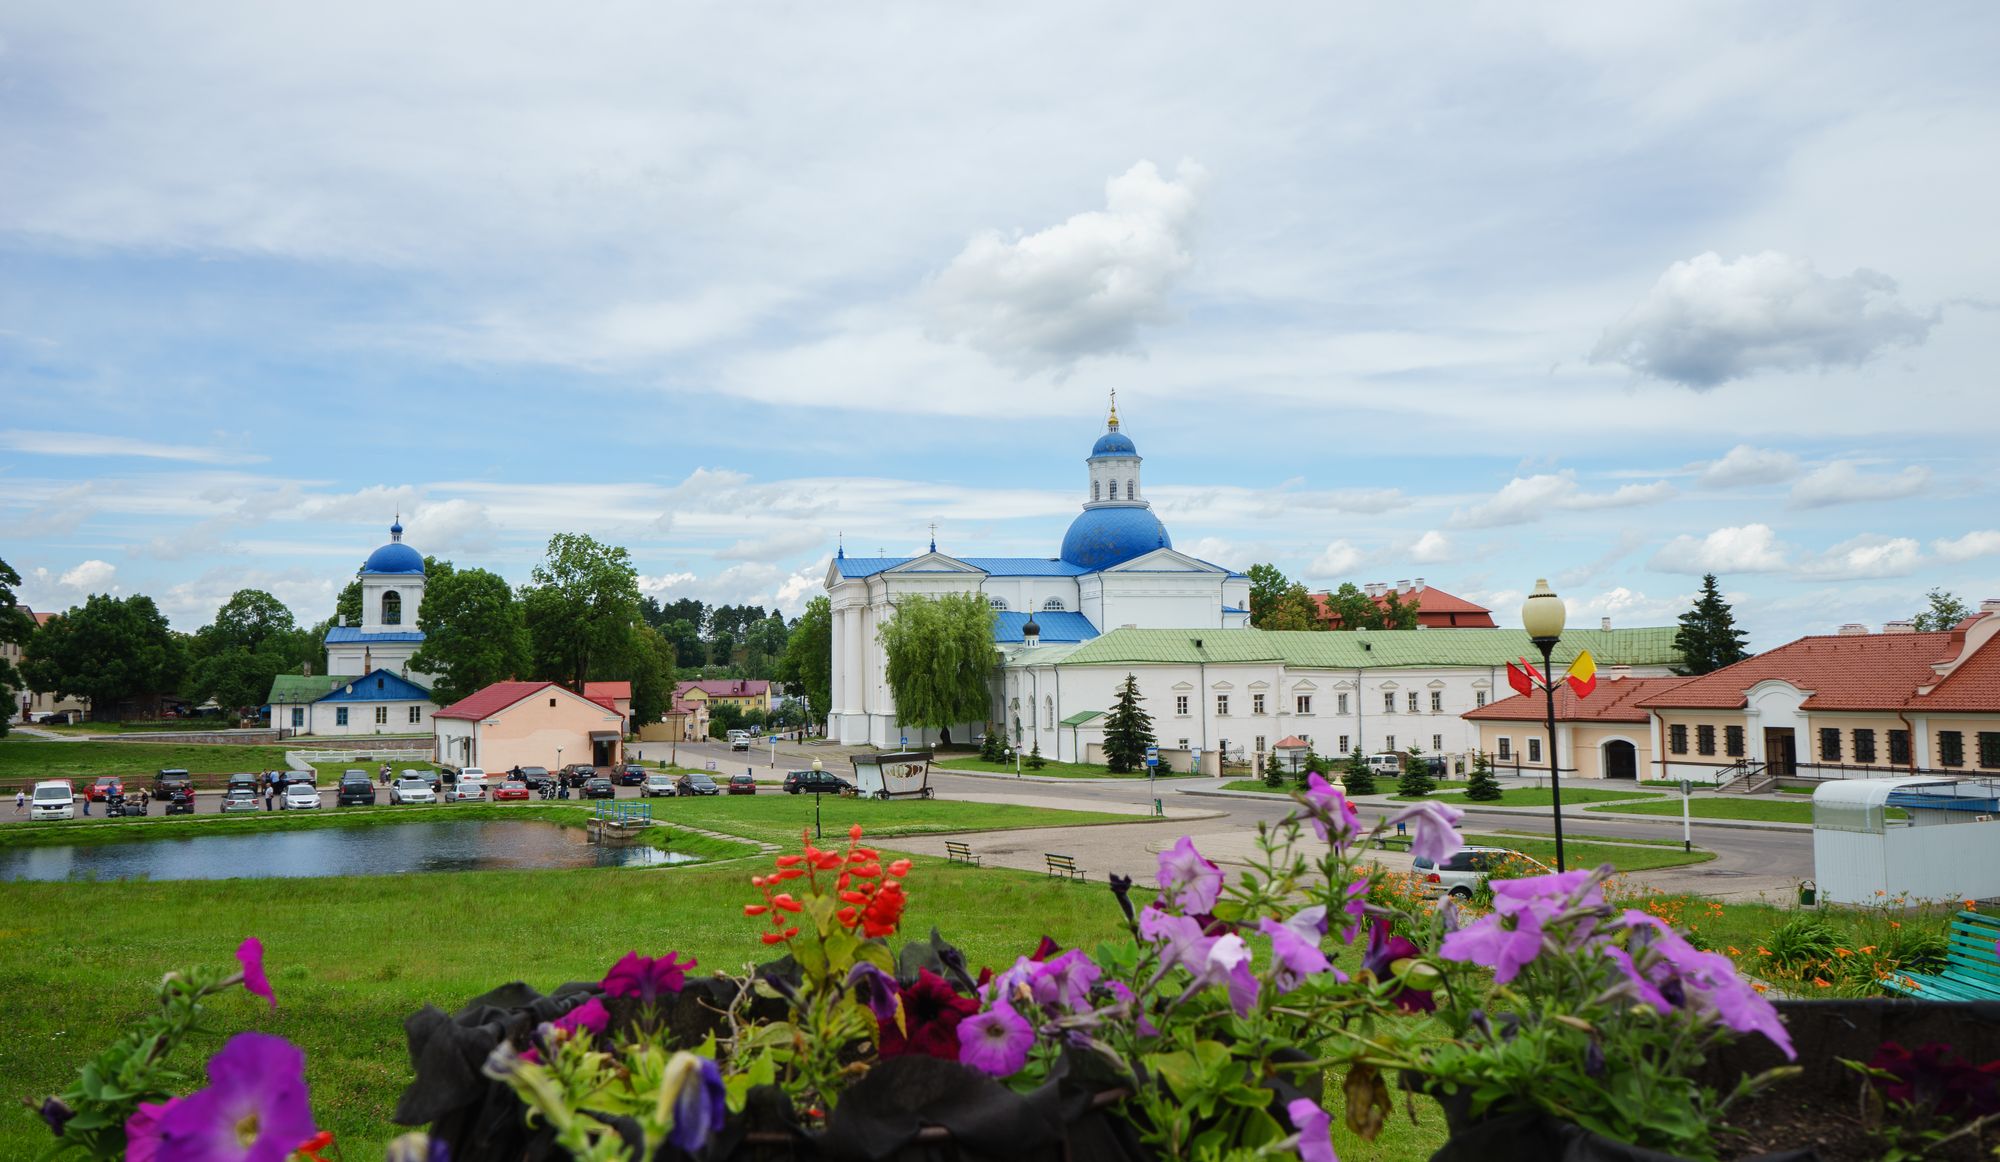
x=1580 y=812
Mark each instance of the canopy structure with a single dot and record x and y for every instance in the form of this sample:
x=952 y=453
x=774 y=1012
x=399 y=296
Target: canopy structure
x=1926 y=838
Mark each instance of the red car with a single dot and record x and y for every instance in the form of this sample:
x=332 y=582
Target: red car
x=105 y=787
x=511 y=789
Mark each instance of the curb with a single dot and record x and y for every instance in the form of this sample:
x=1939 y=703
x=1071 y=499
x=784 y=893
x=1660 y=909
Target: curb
x=1055 y=780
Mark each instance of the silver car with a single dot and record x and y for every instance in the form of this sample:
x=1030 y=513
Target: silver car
x=241 y=797
x=301 y=796
x=412 y=788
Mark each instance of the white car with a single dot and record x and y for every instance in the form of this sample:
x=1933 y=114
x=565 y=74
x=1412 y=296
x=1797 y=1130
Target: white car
x=1461 y=875
x=300 y=796
x=657 y=784
x=412 y=788
x=470 y=785
x=55 y=799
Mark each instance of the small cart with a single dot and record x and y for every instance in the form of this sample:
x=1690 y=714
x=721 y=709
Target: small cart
x=901 y=774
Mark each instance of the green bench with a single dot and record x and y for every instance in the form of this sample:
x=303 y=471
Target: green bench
x=1062 y=866
x=1397 y=842
x=1972 y=965
x=956 y=852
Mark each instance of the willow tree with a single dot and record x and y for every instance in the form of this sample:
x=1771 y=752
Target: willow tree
x=940 y=659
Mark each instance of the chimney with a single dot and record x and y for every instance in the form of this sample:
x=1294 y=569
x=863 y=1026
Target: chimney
x=1604 y=623
x=1990 y=605
x=1901 y=626
x=1420 y=585
x=1403 y=586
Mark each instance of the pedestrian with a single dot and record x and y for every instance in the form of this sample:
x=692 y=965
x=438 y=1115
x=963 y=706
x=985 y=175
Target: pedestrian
x=86 y=804
x=385 y=774
x=20 y=800
x=267 y=795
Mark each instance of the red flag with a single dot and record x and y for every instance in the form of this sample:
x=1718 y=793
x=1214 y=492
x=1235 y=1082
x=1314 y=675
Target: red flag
x=1582 y=676
x=1522 y=680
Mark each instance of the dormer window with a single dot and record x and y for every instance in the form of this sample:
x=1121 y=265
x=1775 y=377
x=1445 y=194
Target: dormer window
x=999 y=604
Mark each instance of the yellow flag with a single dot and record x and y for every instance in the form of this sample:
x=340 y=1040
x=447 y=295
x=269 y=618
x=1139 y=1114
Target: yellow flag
x=1582 y=675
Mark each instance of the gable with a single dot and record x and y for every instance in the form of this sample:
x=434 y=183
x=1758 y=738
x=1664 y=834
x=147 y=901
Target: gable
x=934 y=563
x=1166 y=561
x=380 y=686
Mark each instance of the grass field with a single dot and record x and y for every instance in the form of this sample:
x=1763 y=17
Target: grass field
x=1537 y=797
x=1582 y=852
x=25 y=760
x=1675 y=843
x=1711 y=808
x=184 y=726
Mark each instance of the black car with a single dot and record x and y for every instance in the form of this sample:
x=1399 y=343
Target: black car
x=535 y=777
x=167 y=782
x=180 y=801
x=816 y=782
x=696 y=783
x=631 y=775
x=599 y=788
x=356 y=790
x=577 y=774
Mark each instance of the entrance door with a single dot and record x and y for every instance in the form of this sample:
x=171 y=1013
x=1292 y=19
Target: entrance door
x=1621 y=760
x=1781 y=755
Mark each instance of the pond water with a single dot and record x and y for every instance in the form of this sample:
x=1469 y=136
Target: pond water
x=380 y=849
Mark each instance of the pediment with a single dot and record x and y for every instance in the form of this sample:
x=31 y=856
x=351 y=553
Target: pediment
x=934 y=563
x=1306 y=686
x=1260 y=685
x=1437 y=684
x=1221 y=686
x=1183 y=685
x=1166 y=561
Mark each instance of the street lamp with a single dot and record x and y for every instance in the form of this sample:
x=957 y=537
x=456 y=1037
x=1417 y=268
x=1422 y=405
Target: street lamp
x=1542 y=616
x=818 y=794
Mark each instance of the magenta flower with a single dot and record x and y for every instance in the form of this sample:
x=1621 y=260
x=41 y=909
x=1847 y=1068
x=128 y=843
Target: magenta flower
x=1384 y=950
x=1181 y=938
x=591 y=1016
x=1558 y=891
x=647 y=978
x=255 y=1108
x=1315 y=1130
x=1066 y=981
x=1123 y=994
x=1356 y=909
x=876 y=989
x=1333 y=818
x=699 y=1107
x=142 y=1130
x=1189 y=877
x=251 y=954
x=1295 y=947
x=1636 y=981
x=1433 y=832
x=1709 y=982
x=996 y=1041
x=1506 y=942
x=1228 y=964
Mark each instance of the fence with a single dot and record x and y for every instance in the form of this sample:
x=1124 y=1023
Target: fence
x=304 y=759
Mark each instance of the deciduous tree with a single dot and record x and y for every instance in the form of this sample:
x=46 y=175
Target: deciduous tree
x=808 y=660
x=1352 y=608
x=16 y=626
x=650 y=666
x=1708 y=638
x=1277 y=602
x=110 y=650
x=580 y=607
x=253 y=638
x=1945 y=611
x=475 y=632
x=940 y=659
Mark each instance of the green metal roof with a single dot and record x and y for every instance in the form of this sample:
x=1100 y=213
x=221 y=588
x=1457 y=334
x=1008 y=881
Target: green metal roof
x=1372 y=649
x=295 y=688
x=1081 y=717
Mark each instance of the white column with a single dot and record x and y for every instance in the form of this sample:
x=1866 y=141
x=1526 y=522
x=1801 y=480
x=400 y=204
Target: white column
x=839 y=660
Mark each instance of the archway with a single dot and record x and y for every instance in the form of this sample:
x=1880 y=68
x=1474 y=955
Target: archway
x=1621 y=760
x=392 y=608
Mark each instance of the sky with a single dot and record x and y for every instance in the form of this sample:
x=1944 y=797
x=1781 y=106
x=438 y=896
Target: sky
x=1611 y=294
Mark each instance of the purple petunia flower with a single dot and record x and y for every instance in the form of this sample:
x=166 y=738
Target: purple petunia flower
x=591 y=1016
x=876 y=989
x=647 y=978
x=251 y=954
x=1295 y=948
x=1708 y=982
x=1333 y=818
x=1315 y=1130
x=996 y=1041
x=255 y=1108
x=1384 y=950
x=1181 y=937
x=1433 y=832
x=1065 y=981
x=142 y=1130
x=699 y=1106
x=1636 y=981
x=1123 y=994
x=1189 y=877
x=1356 y=909
x=1557 y=890
x=1506 y=942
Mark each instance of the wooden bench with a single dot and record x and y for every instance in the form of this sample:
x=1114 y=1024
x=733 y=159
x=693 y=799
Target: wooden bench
x=1062 y=866
x=1972 y=965
x=956 y=852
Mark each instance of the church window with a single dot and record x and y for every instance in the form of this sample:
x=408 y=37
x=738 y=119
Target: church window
x=1131 y=490
x=1095 y=488
x=1344 y=748
x=1222 y=705
x=392 y=608
x=1437 y=742
x=1412 y=702
x=381 y=716
x=1340 y=706
x=416 y=715
x=1389 y=742
x=340 y=716
x=1180 y=705
x=1305 y=704
x=997 y=603
x=1437 y=702
x=1052 y=605
x=1389 y=703
x=1114 y=490
x=1479 y=698
x=1257 y=706
x=1049 y=708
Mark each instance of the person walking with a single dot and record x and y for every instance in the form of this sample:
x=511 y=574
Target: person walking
x=20 y=800
x=269 y=788
x=86 y=804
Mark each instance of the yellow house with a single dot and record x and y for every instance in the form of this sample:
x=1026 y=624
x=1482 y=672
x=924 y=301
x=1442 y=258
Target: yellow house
x=1604 y=736
x=742 y=693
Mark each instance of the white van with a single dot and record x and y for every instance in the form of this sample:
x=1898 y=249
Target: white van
x=54 y=799
x=1387 y=763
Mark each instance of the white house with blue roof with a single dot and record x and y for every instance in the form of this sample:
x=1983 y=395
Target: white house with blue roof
x=1117 y=568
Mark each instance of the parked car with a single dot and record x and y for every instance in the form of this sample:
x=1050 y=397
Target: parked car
x=357 y=789
x=1389 y=763
x=471 y=784
x=657 y=783
x=630 y=775
x=412 y=788
x=180 y=801
x=165 y=782
x=512 y=789
x=105 y=787
x=300 y=795
x=535 y=777
x=742 y=784
x=53 y=799
x=577 y=774
x=696 y=783
x=816 y=782
x=1461 y=875
x=429 y=779
x=599 y=788
x=241 y=797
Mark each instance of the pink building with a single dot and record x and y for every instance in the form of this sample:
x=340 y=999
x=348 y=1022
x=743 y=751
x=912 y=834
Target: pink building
x=511 y=724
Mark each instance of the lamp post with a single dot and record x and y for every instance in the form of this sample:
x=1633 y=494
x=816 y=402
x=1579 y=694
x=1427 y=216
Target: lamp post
x=1542 y=616
x=818 y=794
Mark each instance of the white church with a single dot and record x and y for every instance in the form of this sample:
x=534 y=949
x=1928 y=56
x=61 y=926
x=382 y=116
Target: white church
x=1117 y=568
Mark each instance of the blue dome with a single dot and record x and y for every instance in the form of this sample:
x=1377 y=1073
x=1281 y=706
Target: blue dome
x=394 y=557
x=1102 y=537
x=1113 y=444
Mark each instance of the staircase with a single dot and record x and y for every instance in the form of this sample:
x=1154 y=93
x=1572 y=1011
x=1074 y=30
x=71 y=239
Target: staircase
x=1745 y=778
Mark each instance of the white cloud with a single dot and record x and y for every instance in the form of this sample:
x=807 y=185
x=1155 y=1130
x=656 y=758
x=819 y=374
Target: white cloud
x=1843 y=482
x=92 y=576
x=1338 y=558
x=1045 y=300
x=1983 y=543
x=1752 y=548
x=45 y=443
x=788 y=543
x=1529 y=498
x=1627 y=607
x=1707 y=321
x=1864 y=556
x=664 y=583
x=1745 y=465
x=1430 y=549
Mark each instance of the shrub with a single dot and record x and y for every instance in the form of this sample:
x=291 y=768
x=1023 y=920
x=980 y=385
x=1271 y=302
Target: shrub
x=1803 y=940
x=1034 y=757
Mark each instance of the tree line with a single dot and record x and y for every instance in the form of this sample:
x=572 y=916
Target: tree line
x=1277 y=602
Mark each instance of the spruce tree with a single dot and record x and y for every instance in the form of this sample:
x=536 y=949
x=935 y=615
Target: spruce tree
x=1274 y=773
x=1358 y=779
x=1128 y=731
x=1416 y=781
x=1035 y=760
x=1708 y=639
x=1480 y=785
x=991 y=748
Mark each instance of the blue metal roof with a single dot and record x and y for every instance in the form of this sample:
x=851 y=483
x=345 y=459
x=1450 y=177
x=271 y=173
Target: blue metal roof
x=994 y=566
x=1233 y=609
x=343 y=634
x=1113 y=444
x=1102 y=537
x=394 y=557
x=1056 y=627
x=380 y=686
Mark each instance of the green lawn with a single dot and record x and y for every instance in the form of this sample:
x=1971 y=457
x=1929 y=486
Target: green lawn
x=777 y=817
x=25 y=760
x=1767 y=810
x=970 y=761
x=1581 y=852
x=1537 y=797
x=329 y=773
x=184 y=726
x=1673 y=843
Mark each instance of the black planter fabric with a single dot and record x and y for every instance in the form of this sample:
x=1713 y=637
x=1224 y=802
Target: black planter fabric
x=1537 y=1137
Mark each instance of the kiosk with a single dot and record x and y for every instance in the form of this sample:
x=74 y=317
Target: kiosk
x=898 y=774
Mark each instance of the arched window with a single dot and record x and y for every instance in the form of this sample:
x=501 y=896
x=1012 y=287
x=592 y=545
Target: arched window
x=998 y=603
x=1049 y=709
x=1053 y=605
x=1095 y=488
x=1114 y=490
x=1131 y=490
x=392 y=608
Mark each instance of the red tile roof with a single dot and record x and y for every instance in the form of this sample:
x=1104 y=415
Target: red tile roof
x=1974 y=685
x=1291 y=742
x=1863 y=671
x=724 y=687
x=1435 y=608
x=493 y=699
x=1612 y=701
x=614 y=690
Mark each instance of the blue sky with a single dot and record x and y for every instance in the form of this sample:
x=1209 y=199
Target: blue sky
x=1613 y=294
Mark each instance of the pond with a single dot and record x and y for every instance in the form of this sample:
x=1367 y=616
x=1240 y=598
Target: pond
x=381 y=849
